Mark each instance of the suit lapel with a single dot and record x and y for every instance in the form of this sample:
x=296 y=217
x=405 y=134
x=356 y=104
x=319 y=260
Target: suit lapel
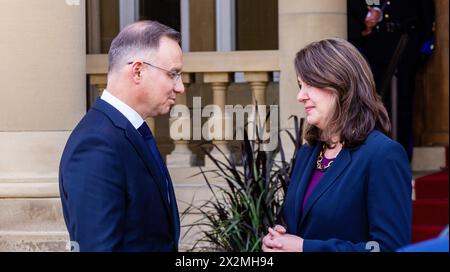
x=176 y=218
x=150 y=162
x=158 y=176
x=304 y=181
x=140 y=146
x=330 y=176
x=173 y=202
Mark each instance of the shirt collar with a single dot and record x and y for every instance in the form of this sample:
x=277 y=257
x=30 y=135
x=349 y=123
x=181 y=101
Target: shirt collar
x=132 y=116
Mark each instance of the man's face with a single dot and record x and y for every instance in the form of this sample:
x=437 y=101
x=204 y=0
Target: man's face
x=160 y=87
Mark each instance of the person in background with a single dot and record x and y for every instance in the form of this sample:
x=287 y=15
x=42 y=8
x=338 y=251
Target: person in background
x=376 y=28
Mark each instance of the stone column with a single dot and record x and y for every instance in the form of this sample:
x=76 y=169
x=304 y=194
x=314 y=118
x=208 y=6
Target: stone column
x=300 y=23
x=99 y=82
x=436 y=93
x=181 y=156
x=152 y=125
x=258 y=83
x=432 y=107
x=94 y=27
x=43 y=96
x=219 y=83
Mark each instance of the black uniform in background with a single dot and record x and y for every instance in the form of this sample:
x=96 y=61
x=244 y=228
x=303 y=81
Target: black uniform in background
x=416 y=19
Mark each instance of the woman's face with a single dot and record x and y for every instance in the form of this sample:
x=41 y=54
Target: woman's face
x=319 y=104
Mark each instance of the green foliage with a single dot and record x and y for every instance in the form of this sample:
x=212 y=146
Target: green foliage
x=239 y=213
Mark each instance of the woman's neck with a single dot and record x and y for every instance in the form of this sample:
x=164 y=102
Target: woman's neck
x=332 y=152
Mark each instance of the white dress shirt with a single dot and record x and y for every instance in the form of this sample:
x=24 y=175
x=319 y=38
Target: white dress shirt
x=132 y=116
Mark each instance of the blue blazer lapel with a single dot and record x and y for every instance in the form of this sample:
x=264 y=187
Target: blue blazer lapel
x=330 y=176
x=152 y=165
x=304 y=181
x=173 y=202
x=158 y=176
x=139 y=144
x=176 y=218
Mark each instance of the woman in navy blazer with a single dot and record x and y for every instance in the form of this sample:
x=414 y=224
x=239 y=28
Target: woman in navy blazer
x=351 y=185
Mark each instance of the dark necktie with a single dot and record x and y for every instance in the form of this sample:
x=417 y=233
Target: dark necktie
x=146 y=133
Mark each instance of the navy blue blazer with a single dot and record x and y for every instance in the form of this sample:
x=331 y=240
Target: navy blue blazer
x=114 y=195
x=364 y=196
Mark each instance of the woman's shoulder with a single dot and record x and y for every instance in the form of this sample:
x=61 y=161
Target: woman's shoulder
x=377 y=137
x=378 y=143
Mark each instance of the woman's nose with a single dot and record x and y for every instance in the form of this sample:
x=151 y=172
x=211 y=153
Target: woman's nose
x=301 y=96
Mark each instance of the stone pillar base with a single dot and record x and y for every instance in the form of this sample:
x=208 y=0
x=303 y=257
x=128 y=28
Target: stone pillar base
x=181 y=156
x=181 y=159
x=222 y=145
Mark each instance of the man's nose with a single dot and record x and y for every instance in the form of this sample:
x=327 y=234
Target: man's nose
x=179 y=86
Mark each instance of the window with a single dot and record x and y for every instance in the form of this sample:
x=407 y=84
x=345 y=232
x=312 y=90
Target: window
x=206 y=25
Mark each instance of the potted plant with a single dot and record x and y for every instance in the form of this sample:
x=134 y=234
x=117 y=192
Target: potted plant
x=239 y=213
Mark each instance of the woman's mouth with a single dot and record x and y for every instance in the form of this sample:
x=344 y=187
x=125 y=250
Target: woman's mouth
x=309 y=108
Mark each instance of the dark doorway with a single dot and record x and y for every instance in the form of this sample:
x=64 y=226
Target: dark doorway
x=164 y=11
x=257 y=24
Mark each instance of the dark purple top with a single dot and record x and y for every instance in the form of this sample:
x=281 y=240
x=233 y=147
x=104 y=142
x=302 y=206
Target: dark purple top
x=316 y=176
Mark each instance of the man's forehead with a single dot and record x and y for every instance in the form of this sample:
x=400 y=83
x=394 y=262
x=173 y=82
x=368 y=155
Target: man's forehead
x=169 y=52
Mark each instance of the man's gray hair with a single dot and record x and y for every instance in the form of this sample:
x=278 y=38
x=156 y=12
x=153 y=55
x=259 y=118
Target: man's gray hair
x=138 y=37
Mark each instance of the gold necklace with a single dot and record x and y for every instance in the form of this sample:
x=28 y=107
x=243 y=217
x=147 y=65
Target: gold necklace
x=319 y=165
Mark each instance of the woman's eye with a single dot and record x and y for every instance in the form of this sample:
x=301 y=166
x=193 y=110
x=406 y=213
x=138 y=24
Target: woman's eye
x=299 y=85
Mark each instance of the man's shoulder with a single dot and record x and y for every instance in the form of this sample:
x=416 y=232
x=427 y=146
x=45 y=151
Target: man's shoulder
x=94 y=120
x=96 y=125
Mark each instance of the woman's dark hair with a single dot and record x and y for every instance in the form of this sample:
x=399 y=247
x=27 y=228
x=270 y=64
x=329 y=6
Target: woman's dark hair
x=336 y=65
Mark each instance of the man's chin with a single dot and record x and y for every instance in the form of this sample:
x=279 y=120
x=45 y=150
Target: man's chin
x=166 y=110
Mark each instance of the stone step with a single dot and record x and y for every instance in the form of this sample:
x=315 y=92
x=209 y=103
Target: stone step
x=57 y=241
x=33 y=241
x=38 y=225
x=28 y=190
x=431 y=158
x=31 y=214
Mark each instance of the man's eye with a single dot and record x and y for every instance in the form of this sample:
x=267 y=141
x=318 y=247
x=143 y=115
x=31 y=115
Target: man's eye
x=171 y=75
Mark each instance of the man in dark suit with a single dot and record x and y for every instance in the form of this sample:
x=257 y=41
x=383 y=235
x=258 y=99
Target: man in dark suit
x=116 y=192
x=375 y=27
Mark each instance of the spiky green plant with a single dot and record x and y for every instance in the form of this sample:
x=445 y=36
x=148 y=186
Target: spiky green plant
x=239 y=213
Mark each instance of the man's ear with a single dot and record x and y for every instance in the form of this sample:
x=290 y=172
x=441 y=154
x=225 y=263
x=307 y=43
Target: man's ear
x=136 y=71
